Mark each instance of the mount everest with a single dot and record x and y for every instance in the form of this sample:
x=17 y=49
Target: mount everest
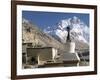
x=79 y=30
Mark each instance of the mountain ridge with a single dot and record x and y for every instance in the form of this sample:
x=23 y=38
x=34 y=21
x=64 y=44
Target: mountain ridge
x=32 y=34
x=79 y=30
x=38 y=37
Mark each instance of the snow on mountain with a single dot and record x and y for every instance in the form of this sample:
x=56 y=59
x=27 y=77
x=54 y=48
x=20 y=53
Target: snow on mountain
x=25 y=21
x=79 y=30
x=61 y=34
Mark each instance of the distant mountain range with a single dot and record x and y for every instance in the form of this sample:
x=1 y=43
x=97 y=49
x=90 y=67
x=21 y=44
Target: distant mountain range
x=79 y=30
x=56 y=36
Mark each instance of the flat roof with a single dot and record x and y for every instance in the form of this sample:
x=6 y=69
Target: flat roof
x=40 y=47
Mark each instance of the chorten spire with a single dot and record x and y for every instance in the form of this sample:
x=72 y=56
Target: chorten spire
x=68 y=36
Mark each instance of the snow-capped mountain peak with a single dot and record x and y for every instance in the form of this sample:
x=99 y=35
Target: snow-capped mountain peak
x=79 y=30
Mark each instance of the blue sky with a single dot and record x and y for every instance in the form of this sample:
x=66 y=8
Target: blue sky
x=45 y=19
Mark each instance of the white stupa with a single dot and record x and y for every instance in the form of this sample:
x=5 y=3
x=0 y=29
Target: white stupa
x=70 y=45
x=70 y=57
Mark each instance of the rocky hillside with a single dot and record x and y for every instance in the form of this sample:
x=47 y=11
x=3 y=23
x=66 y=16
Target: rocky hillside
x=32 y=34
